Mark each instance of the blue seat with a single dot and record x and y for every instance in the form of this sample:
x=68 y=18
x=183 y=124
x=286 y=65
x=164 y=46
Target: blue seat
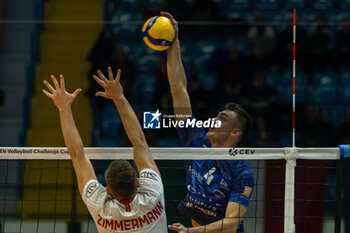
x=301 y=87
x=187 y=63
x=15 y=73
x=293 y=4
x=203 y=52
x=146 y=85
x=147 y=60
x=286 y=94
x=125 y=28
x=285 y=141
x=186 y=55
x=186 y=48
x=143 y=49
x=151 y=3
x=345 y=78
x=273 y=79
x=278 y=16
x=267 y=4
x=237 y=5
x=342 y=113
x=109 y=142
x=301 y=94
x=324 y=95
x=17 y=42
x=237 y=14
x=21 y=10
x=345 y=94
x=126 y=32
x=242 y=44
x=301 y=78
x=127 y=16
x=128 y=4
x=322 y=4
x=130 y=48
x=330 y=114
x=324 y=79
x=208 y=80
x=148 y=63
x=111 y=122
x=345 y=4
x=206 y=47
x=169 y=142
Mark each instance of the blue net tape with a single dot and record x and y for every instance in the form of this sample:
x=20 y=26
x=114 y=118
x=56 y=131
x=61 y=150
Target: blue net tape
x=344 y=151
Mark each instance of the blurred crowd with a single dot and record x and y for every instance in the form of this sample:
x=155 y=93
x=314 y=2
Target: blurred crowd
x=246 y=61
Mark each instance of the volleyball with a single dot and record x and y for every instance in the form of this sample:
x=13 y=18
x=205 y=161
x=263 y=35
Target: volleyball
x=158 y=33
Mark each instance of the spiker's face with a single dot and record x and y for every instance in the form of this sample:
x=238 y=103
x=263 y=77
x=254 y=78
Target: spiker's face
x=228 y=132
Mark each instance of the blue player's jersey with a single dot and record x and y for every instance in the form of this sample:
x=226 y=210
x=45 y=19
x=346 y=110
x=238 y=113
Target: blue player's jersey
x=212 y=184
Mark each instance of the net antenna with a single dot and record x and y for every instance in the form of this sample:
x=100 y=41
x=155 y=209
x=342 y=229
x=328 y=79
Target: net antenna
x=291 y=155
x=294 y=73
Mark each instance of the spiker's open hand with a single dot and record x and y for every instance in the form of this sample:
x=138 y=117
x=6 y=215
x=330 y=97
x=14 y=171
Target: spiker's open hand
x=61 y=98
x=112 y=86
x=169 y=16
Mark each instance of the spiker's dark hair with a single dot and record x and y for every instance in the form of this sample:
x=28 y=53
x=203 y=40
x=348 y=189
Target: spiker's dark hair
x=244 y=119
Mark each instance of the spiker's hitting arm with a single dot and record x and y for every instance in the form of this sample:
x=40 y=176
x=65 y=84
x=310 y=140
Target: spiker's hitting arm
x=229 y=224
x=177 y=77
x=114 y=91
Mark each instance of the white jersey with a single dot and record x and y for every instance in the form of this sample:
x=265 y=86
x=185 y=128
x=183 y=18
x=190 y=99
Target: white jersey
x=145 y=213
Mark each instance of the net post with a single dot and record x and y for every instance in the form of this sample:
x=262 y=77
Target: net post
x=291 y=154
x=338 y=197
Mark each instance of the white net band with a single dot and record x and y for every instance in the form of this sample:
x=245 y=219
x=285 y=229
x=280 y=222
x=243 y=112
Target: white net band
x=102 y=153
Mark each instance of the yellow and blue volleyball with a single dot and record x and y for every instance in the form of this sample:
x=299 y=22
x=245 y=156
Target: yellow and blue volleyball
x=158 y=33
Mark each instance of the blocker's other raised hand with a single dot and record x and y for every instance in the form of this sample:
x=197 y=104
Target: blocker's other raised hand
x=61 y=98
x=112 y=86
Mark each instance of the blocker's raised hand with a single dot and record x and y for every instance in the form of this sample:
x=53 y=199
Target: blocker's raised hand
x=61 y=98
x=112 y=86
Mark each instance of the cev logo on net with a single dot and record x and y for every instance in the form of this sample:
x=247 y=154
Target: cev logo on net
x=234 y=152
x=152 y=120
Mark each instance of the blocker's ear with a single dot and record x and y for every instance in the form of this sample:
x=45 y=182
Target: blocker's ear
x=108 y=190
x=137 y=182
x=236 y=132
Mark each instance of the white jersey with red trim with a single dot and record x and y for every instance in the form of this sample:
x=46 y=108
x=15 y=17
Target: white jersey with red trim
x=145 y=213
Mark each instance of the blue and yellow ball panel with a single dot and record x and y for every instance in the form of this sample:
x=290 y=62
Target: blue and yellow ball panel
x=158 y=33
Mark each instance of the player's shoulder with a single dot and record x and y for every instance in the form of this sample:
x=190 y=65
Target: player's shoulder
x=91 y=187
x=150 y=174
x=151 y=183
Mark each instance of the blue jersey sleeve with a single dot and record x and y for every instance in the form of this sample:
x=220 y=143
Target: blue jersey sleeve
x=193 y=137
x=242 y=190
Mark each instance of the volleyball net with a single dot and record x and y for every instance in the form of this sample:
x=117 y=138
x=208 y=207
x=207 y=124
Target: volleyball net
x=297 y=186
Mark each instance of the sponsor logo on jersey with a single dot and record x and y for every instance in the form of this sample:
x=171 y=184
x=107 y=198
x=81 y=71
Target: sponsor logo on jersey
x=91 y=189
x=247 y=191
x=149 y=175
x=209 y=175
